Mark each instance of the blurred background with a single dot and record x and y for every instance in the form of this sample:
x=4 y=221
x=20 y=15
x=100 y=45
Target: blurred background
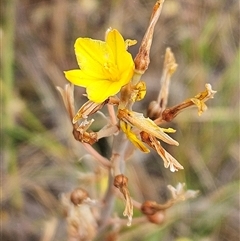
x=40 y=159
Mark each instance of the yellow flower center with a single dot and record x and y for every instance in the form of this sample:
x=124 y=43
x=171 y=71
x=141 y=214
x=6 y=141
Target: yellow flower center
x=111 y=71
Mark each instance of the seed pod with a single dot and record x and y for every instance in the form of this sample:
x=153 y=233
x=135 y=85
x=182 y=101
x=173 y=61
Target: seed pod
x=78 y=196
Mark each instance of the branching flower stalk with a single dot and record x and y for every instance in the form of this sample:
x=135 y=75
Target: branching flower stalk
x=112 y=78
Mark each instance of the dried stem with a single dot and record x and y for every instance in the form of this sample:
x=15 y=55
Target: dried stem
x=168 y=69
x=102 y=160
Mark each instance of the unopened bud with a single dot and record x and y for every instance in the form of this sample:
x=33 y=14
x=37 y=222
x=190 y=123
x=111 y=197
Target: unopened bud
x=142 y=59
x=154 y=110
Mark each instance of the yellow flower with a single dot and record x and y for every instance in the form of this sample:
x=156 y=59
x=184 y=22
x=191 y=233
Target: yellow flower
x=104 y=66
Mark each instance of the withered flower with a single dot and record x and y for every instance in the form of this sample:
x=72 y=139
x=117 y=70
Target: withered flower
x=180 y=194
x=199 y=100
x=155 y=212
x=68 y=99
x=145 y=124
x=120 y=182
x=88 y=109
x=156 y=107
x=168 y=159
x=81 y=222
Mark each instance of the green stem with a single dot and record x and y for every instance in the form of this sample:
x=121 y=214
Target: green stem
x=7 y=86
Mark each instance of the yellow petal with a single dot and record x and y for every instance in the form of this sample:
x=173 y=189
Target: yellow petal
x=126 y=128
x=116 y=42
x=92 y=55
x=200 y=105
x=168 y=130
x=99 y=91
x=137 y=143
x=80 y=78
x=122 y=58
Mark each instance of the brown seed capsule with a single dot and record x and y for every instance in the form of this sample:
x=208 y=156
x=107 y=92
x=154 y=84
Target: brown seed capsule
x=120 y=181
x=148 y=207
x=157 y=218
x=78 y=196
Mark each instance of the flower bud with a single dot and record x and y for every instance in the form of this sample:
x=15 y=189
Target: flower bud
x=154 y=110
